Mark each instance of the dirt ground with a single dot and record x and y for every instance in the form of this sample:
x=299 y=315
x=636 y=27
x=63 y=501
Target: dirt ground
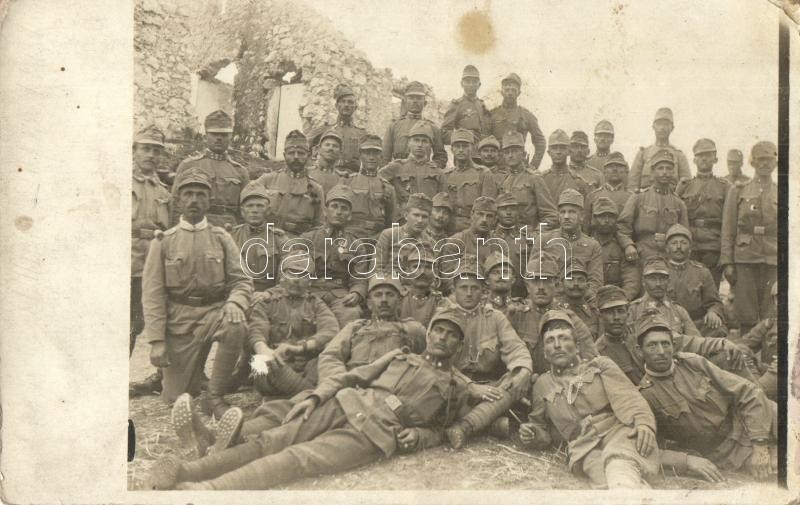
x=485 y=463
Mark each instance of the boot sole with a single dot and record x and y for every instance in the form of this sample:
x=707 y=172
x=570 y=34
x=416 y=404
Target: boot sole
x=182 y=424
x=228 y=429
x=164 y=474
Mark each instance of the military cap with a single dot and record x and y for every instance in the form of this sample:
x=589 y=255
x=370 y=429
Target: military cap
x=579 y=137
x=449 y=315
x=609 y=296
x=506 y=200
x=735 y=155
x=662 y=155
x=468 y=267
x=330 y=134
x=494 y=259
x=604 y=126
x=371 y=142
x=339 y=192
x=604 y=205
x=470 y=71
x=554 y=315
x=488 y=141
x=253 y=189
x=296 y=138
x=764 y=148
x=678 y=229
x=650 y=320
x=194 y=177
x=615 y=158
x=150 y=135
x=421 y=128
x=342 y=90
x=570 y=196
x=558 y=138
x=415 y=88
x=462 y=135
x=218 y=122
x=298 y=263
x=513 y=78
x=442 y=200
x=774 y=290
x=384 y=280
x=576 y=265
x=484 y=203
x=704 y=146
x=421 y=255
x=543 y=266
x=664 y=113
x=513 y=138
x=419 y=201
x=655 y=265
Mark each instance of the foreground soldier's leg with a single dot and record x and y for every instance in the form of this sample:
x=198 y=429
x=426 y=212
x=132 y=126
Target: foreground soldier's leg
x=623 y=473
x=476 y=420
x=269 y=415
x=187 y=355
x=230 y=338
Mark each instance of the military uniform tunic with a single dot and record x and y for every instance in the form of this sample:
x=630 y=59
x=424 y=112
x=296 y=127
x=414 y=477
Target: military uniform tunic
x=616 y=269
x=519 y=119
x=261 y=249
x=327 y=177
x=351 y=141
x=646 y=218
x=420 y=307
x=395 y=141
x=559 y=179
x=228 y=178
x=409 y=176
x=763 y=339
x=624 y=353
x=390 y=251
x=536 y=203
x=594 y=178
x=705 y=197
x=597 y=160
x=692 y=287
x=578 y=245
x=640 y=177
x=708 y=410
x=296 y=201
x=464 y=186
x=617 y=194
x=468 y=113
x=375 y=205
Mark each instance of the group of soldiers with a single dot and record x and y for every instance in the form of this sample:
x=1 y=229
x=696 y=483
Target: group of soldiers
x=382 y=299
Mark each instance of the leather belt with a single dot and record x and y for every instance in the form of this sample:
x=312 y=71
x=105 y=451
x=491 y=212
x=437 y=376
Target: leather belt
x=758 y=230
x=197 y=301
x=707 y=223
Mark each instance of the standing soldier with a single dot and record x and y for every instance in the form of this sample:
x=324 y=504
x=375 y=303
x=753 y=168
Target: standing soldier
x=464 y=180
x=647 y=216
x=641 y=177
x=374 y=199
x=296 y=203
x=614 y=172
x=395 y=141
x=692 y=286
x=194 y=293
x=749 y=251
x=603 y=139
x=468 y=111
x=417 y=173
x=397 y=243
x=509 y=116
x=528 y=187
x=346 y=105
x=227 y=177
x=560 y=176
x=440 y=225
x=326 y=170
x=617 y=271
x=704 y=196
x=332 y=249
x=735 y=161
x=150 y=212
x=578 y=152
x=260 y=245
x=489 y=154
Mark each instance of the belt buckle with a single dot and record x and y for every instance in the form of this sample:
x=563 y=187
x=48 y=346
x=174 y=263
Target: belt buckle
x=758 y=230
x=393 y=402
x=195 y=299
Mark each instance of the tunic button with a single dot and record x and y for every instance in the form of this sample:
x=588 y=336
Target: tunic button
x=359 y=416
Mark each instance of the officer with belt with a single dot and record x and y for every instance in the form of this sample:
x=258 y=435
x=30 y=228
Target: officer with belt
x=395 y=141
x=509 y=116
x=195 y=293
x=227 y=177
x=469 y=111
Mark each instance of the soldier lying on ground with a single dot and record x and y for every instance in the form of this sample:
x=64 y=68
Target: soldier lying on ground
x=399 y=403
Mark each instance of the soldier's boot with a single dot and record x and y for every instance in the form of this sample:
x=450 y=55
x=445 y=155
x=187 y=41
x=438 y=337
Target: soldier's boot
x=228 y=429
x=228 y=349
x=218 y=463
x=479 y=418
x=284 y=380
x=500 y=428
x=192 y=446
x=150 y=385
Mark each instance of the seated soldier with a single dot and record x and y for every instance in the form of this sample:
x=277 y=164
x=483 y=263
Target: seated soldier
x=396 y=243
x=609 y=427
x=704 y=409
x=296 y=325
x=440 y=224
x=399 y=403
x=422 y=294
x=616 y=340
x=574 y=296
x=764 y=338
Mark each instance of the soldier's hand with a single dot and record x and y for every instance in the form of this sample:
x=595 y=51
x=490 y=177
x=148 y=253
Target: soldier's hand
x=712 y=320
x=645 y=439
x=703 y=468
x=304 y=408
x=351 y=300
x=760 y=465
x=286 y=350
x=231 y=313
x=517 y=383
x=484 y=392
x=159 y=356
x=730 y=274
x=407 y=439
x=526 y=433
x=631 y=254
x=735 y=356
x=261 y=296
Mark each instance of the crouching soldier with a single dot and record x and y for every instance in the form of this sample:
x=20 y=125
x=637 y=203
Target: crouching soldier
x=609 y=427
x=195 y=293
x=399 y=403
x=763 y=338
x=705 y=410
